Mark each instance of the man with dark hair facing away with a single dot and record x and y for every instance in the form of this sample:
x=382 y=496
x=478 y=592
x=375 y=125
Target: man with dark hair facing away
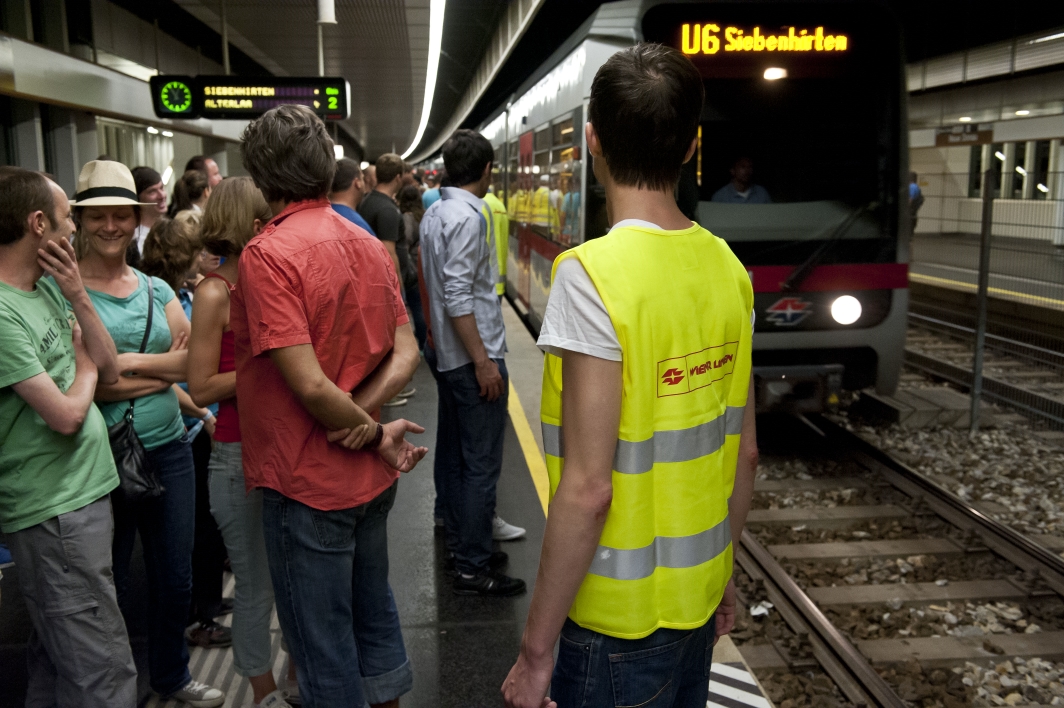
x=347 y=192
x=469 y=342
x=647 y=380
x=317 y=353
x=381 y=212
x=56 y=467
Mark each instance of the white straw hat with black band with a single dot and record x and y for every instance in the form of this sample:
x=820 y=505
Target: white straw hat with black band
x=106 y=183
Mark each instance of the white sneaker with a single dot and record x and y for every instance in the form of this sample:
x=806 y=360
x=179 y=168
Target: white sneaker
x=199 y=695
x=502 y=531
x=274 y=700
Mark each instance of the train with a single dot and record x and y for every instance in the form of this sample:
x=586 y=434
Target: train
x=801 y=167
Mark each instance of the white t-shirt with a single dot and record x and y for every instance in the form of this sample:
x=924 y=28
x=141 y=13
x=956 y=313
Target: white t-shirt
x=139 y=234
x=576 y=319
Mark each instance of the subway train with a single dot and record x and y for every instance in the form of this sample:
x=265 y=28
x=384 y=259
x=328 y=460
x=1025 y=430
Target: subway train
x=801 y=167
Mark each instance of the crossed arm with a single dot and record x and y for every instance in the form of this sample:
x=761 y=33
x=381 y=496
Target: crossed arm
x=144 y=374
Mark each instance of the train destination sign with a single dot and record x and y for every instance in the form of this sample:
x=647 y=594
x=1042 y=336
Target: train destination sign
x=708 y=39
x=229 y=97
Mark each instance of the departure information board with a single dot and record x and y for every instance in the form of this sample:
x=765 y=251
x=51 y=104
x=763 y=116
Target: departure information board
x=229 y=97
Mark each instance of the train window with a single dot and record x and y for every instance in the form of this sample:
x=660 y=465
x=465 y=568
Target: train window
x=1040 y=174
x=563 y=132
x=542 y=139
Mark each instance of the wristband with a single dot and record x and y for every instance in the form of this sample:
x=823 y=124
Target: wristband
x=376 y=441
x=208 y=418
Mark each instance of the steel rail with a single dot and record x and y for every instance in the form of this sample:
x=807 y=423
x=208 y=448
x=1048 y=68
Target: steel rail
x=1013 y=347
x=1012 y=545
x=837 y=655
x=994 y=389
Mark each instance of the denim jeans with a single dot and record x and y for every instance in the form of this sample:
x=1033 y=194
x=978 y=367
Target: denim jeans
x=78 y=653
x=167 y=527
x=668 y=669
x=469 y=459
x=239 y=515
x=417 y=315
x=330 y=578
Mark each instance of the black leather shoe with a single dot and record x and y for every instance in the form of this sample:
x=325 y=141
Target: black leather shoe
x=490 y=583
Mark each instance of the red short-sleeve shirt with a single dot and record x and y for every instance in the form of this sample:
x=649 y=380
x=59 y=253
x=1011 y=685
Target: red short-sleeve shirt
x=311 y=277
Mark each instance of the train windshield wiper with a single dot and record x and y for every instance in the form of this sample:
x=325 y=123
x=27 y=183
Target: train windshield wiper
x=798 y=276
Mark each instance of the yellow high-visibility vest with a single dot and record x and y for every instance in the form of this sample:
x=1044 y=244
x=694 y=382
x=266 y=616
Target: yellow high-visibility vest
x=680 y=303
x=542 y=212
x=501 y=222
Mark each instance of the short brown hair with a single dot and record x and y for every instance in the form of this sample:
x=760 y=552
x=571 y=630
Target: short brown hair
x=229 y=219
x=347 y=171
x=22 y=192
x=646 y=102
x=389 y=166
x=171 y=247
x=289 y=154
x=188 y=189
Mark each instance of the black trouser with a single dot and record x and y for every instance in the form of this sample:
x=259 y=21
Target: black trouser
x=208 y=555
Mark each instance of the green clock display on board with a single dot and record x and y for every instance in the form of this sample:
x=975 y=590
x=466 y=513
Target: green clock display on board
x=176 y=96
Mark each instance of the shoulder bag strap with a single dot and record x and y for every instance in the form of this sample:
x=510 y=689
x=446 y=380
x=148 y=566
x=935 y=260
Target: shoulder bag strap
x=144 y=341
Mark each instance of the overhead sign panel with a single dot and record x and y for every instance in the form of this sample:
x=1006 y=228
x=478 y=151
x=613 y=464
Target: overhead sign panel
x=229 y=97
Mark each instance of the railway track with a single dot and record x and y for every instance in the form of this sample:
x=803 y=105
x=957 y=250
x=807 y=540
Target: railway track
x=1019 y=375
x=877 y=545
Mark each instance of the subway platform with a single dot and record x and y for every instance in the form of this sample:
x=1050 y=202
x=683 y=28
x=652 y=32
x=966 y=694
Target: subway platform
x=461 y=648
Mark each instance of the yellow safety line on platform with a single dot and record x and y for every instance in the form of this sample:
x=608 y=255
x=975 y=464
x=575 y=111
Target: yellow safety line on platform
x=533 y=455
x=920 y=277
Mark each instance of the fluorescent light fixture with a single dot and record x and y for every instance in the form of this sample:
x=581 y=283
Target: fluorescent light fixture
x=846 y=310
x=1042 y=188
x=436 y=10
x=1021 y=170
x=1023 y=113
x=168 y=173
x=566 y=131
x=999 y=155
x=153 y=130
x=338 y=151
x=965 y=119
x=363 y=164
x=1047 y=38
x=167 y=134
x=535 y=169
x=775 y=73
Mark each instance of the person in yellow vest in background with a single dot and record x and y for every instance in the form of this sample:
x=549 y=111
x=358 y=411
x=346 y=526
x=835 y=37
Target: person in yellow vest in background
x=648 y=419
x=500 y=221
x=543 y=214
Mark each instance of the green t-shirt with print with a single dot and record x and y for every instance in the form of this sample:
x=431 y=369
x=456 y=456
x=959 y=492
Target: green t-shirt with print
x=44 y=473
x=157 y=416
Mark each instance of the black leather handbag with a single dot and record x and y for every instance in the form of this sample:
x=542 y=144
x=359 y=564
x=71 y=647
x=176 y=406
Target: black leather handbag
x=137 y=479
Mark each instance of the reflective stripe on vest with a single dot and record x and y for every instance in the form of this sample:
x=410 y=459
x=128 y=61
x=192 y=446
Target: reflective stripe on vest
x=680 y=304
x=665 y=552
x=664 y=446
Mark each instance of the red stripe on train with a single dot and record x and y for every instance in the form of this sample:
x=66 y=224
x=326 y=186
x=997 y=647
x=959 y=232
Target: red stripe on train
x=845 y=276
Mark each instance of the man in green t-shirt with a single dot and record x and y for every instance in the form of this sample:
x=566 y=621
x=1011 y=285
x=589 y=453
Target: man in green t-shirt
x=56 y=468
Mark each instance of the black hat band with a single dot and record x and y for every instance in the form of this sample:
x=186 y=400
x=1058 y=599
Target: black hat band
x=95 y=192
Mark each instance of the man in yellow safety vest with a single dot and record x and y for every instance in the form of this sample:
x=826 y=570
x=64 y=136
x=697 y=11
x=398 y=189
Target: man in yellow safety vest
x=648 y=419
x=500 y=222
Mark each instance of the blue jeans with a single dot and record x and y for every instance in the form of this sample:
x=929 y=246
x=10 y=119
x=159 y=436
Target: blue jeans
x=468 y=462
x=417 y=315
x=167 y=529
x=668 y=669
x=239 y=516
x=330 y=580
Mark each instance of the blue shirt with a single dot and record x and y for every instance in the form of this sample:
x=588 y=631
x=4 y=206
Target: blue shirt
x=755 y=194
x=353 y=216
x=914 y=191
x=460 y=268
x=430 y=197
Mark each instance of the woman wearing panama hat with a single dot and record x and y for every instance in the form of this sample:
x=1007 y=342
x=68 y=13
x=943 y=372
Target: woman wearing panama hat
x=107 y=212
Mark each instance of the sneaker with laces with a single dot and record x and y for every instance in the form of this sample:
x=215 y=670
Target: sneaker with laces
x=208 y=635
x=490 y=583
x=199 y=695
x=273 y=700
x=502 y=531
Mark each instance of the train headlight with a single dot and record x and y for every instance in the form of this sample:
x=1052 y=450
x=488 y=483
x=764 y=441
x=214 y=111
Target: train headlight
x=846 y=309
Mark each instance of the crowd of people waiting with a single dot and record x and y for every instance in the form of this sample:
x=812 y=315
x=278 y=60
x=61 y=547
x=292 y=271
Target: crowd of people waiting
x=120 y=309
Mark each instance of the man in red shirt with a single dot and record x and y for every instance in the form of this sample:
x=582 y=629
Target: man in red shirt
x=322 y=337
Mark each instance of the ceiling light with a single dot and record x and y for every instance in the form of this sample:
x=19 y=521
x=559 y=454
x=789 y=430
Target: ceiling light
x=153 y=130
x=435 y=43
x=535 y=169
x=1042 y=188
x=167 y=174
x=1000 y=155
x=965 y=119
x=1023 y=113
x=167 y=134
x=774 y=73
x=1021 y=170
x=846 y=310
x=566 y=131
x=1047 y=38
x=338 y=151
